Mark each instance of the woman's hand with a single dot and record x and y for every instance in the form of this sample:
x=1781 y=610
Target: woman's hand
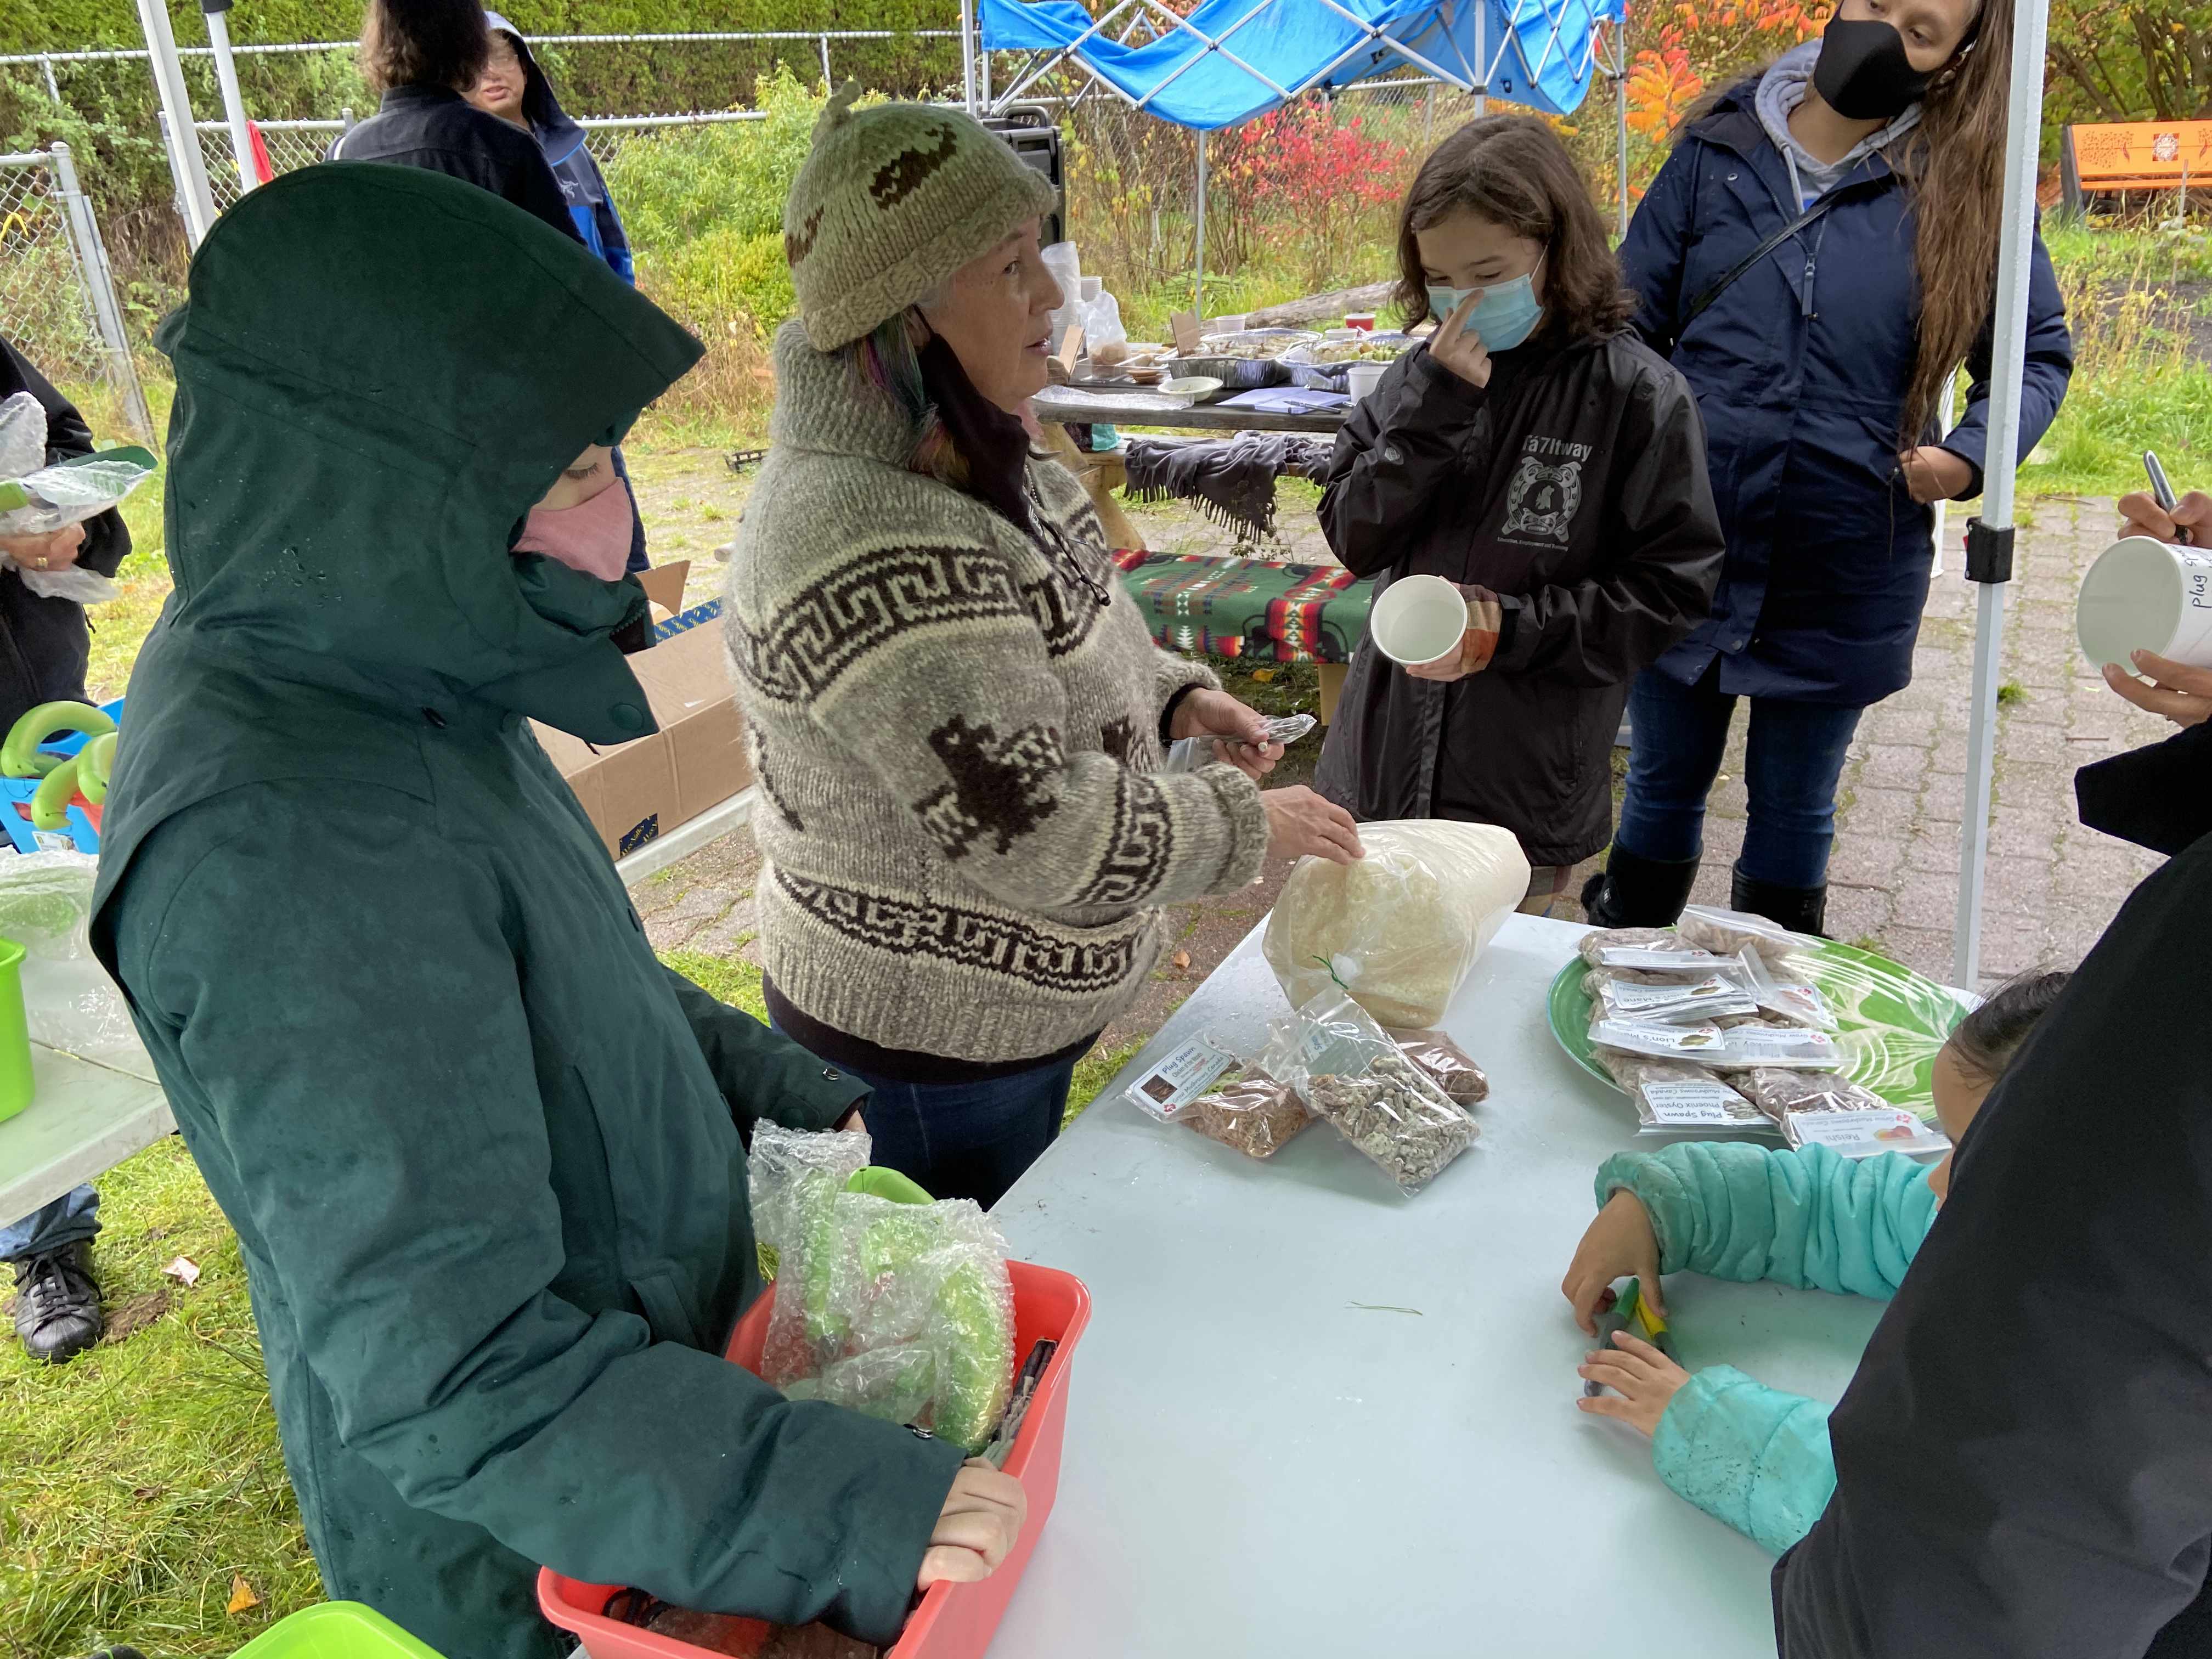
x=1486 y=618
x=1642 y=1380
x=1458 y=348
x=2183 y=695
x=981 y=1522
x=1933 y=474
x=2188 y=524
x=1240 y=736
x=1619 y=1244
x=1301 y=824
x=54 y=549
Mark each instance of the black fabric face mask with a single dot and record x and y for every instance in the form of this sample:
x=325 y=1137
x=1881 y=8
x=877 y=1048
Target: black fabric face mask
x=1862 y=72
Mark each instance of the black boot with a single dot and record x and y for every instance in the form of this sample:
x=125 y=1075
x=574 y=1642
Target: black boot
x=1801 y=909
x=1639 y=892
x=57 y=1304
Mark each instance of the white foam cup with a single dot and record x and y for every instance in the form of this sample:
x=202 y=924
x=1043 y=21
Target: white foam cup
x=1364 y=377
x=2143 y=594
x=1419 y=620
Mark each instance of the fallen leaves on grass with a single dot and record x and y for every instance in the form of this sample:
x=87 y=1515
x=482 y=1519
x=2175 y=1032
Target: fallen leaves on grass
x=184 y=1270
x=242 y=1598
x=1181 y=960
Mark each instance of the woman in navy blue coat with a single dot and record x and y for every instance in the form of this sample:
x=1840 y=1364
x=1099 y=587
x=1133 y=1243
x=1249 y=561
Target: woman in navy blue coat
x=1822 y=368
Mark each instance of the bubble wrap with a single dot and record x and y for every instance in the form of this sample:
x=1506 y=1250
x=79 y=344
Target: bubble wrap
x=45 y=906
x=903 y=1311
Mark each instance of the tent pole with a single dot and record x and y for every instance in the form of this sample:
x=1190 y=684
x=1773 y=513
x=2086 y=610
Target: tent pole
x=1989 y=545
x=1197 y=284
x=1620 y=113
x=233 y=107
x=194 y=200
x=1481 y=57
x=967 y=53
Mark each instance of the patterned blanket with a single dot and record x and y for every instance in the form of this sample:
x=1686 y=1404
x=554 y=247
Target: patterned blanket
x=1229 y=607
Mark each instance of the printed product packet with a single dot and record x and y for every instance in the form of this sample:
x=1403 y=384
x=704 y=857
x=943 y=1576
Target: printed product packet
x=1673 y=1095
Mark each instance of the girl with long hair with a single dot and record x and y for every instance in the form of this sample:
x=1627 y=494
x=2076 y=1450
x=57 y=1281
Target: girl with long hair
x=1818 y=257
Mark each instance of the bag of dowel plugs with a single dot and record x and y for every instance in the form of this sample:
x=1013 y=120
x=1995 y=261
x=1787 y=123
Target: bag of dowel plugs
x=888 y=1302
x=1211 y=1084
x=1401 y=929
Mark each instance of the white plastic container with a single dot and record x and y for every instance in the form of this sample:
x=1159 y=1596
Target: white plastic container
x=1418 y=621
x=1363 y=377
x=2147 y=595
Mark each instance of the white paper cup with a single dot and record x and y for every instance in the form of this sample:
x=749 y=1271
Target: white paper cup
x=1364 y=377
x=2143 y=594
x=1418 y=621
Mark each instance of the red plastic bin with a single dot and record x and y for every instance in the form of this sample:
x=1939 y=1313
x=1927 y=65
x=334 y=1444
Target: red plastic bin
x=954 y=1621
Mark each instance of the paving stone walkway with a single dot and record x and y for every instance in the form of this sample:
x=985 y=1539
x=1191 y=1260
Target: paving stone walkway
x=2052 y=886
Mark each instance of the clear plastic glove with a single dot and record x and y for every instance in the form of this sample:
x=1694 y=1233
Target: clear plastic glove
x=1620 y=1244
x=55 y=549
x=978 y=1527
x=1239 y=735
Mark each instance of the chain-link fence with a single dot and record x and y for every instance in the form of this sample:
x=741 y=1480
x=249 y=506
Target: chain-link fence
x=57 y=293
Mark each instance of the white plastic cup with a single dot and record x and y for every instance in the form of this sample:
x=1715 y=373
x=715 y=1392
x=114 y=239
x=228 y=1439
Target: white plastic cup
x=1418 y=621
x=1364 y=377
x=2143 y=594
x=1092 y=287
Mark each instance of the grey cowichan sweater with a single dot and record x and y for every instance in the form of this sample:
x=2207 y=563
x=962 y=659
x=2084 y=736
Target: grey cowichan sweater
x=965 y=840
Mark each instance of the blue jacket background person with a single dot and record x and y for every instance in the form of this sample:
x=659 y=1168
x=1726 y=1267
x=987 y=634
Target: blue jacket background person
x=1822 y=373
x=515 y=89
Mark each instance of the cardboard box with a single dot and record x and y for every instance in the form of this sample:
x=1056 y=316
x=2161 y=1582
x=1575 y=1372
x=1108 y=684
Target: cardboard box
x=635 y=792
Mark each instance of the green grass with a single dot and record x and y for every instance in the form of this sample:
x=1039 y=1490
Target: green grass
x=138 y=1482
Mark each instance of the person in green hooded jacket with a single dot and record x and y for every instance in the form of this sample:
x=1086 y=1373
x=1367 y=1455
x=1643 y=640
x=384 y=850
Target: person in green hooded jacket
x=484 y=1154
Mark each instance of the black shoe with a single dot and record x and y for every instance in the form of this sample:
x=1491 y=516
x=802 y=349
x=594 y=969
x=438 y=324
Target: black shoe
x=1801 y=909
x=57 y=1304
x=1639 y=892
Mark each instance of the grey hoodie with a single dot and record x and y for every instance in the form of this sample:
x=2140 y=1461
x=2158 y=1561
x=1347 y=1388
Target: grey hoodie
x=1781 y=89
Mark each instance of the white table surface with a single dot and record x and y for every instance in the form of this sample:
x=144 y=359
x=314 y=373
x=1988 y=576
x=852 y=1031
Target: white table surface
x=83 y=1119
x=1258 y=1466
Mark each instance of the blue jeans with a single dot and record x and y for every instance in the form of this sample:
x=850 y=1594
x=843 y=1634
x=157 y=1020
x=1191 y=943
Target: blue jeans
x=1678 y=735
x=71 y=1217
x=965 y=1139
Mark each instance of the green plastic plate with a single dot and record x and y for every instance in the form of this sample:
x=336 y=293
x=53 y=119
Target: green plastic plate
x=335 y=1630
x=1892 y=1020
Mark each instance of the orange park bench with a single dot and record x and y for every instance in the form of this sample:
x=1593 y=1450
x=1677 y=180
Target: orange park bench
x=2116 y=158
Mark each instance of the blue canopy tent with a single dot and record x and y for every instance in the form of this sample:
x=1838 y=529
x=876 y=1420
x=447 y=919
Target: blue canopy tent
x=1231 y=60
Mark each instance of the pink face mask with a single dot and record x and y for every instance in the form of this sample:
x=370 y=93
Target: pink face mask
x=593 y=537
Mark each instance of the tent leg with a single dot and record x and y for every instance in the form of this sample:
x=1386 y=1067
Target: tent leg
x=194 y=200
x=967 y=53
x=233 y=107
x=1988 y=556
x=1197 y=281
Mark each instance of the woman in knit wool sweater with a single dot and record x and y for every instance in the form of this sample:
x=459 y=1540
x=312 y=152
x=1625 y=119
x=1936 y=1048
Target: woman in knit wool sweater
x=958 y=718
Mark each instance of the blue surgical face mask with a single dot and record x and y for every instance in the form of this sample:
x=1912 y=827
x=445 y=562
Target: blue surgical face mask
x=1506 y=315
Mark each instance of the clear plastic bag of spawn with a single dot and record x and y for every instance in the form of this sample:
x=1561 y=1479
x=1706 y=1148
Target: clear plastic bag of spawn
x=1673 y=1096
x=1351 y=1073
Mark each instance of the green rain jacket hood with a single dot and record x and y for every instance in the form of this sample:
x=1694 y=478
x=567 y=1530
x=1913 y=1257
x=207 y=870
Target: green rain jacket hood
x=483 y=1152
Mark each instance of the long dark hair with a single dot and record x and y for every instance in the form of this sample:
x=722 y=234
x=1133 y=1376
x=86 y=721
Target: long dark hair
x=1513 y=171
x=1987 y=1039
x=423 y=43
x=1952 y=163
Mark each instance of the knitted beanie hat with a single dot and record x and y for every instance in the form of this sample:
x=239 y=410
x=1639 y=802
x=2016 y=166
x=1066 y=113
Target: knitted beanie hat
x=892 y=200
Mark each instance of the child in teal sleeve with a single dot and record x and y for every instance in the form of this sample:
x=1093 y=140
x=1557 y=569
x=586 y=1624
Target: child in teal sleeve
x=1746 y=1454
